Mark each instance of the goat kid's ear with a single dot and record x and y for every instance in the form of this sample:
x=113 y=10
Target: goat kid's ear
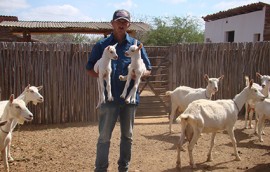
x=250 y=83
x=11 y=98
x=39 y=87
x=206 y=77
x=221 y=77
x=135 y=42
x=140 y=46
x=115 y=44
x=258 y=75
x=27 y=87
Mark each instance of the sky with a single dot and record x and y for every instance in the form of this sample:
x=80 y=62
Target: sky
x=102 y=10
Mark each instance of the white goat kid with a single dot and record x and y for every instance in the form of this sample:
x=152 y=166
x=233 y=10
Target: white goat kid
x=207 y=116
x=136 y=67
x=103 y=68
x=30 y=94
x=182 y=96
x=14 y=111
x=250 y=105
x=262 y=110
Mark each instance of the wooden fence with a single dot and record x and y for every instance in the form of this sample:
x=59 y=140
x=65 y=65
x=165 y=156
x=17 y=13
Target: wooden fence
x=71 y=95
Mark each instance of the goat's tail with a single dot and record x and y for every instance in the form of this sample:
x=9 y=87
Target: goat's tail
x=247 y=80
x=168 y=93
x=183 y=116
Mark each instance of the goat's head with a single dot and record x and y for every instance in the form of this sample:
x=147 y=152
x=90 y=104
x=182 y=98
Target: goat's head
x=254 y=93
x=213 y=83
x=111 y=52
x=265 y=80
x=133 y=49
x=17 y=109
x=32 y=94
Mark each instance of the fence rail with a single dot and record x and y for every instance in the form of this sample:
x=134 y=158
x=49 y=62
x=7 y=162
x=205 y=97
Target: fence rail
x=71 y=95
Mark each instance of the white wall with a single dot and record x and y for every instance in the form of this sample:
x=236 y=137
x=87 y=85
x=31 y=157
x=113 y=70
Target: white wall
x=244 y=27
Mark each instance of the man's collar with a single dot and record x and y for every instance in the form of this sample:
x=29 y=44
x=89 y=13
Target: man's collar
x=127 y=38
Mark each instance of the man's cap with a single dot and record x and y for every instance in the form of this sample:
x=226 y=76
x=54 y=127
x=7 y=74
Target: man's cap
x=121 y=14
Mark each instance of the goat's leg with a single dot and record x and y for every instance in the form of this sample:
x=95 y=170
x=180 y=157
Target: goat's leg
x=246 y=114
x=260 y=126
x=173 y=111
x=181 y=142
x=124 y=93
x=108 y=87
x=5 y=159
x=196 y=135
x=131 y=98
x=10 y=159
x=231 y=134
x=99 y=94
x=251 y=112
x=102 y=89
x=209 y=155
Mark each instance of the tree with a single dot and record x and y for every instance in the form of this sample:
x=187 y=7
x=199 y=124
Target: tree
x=173 y=30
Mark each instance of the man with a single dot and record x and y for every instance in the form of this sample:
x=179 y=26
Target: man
x=110 y=111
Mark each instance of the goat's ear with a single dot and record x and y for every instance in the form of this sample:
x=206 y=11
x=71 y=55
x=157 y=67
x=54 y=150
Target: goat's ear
x=135 y=42
x=140 y=46
x=11 y=98
x=250 y=83
x=258 y=75
x=221 y=77
x=27 y=87
x=206 y=77
x=39 y=87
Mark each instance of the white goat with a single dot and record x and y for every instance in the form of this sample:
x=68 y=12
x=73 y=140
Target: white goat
x=250 y=105
x=103 y=68
x=30 y=94
x=14 y=111
x=262 y=110
x=182 y=96
x=136 y=67
x=207 y=116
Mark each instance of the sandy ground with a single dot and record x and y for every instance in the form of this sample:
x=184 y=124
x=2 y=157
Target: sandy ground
x=72 y=147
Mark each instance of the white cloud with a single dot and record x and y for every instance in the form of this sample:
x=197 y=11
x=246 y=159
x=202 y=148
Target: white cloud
x=128 y=4
x=54 y=13
x=174 y=1
x=8 y=6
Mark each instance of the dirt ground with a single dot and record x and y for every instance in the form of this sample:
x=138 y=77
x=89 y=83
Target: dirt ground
x=72 y=148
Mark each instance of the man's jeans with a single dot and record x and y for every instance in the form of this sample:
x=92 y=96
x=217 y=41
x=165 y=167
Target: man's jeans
x=108 y=115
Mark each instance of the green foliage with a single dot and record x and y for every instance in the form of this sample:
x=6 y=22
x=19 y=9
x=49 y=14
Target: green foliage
x=173 y=30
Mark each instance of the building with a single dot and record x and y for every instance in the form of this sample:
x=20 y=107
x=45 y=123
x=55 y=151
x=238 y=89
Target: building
x=249 y=23
x=13 y=30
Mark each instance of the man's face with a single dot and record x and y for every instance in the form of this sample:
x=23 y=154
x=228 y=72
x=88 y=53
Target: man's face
x=120 y=25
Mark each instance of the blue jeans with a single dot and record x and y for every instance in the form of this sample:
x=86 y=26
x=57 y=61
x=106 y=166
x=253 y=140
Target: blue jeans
x=108 y=115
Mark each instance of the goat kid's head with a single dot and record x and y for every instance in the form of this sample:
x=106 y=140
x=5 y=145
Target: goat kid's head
x=17 y=109
x=213 y=83
x=254 y=93
x=32 y=94
x=111 y=52
x=265 y=80
x=133 y=49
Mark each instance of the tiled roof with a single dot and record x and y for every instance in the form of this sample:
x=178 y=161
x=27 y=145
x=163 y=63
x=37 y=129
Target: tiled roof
x=236 y=11
x=85 y=26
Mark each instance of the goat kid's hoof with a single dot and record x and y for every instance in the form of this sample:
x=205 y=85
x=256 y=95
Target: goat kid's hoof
x=261 y=140
x=110 y=99
x=127 y=102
